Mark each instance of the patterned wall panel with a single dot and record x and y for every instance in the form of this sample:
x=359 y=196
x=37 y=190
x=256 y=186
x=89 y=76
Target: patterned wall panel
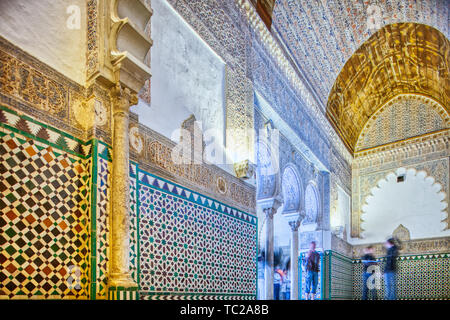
x=424 y=276
x=340 y=276
x=134 y=225
x=101 y=195
x=403 y=117
x=44 y=207
x=193 y=247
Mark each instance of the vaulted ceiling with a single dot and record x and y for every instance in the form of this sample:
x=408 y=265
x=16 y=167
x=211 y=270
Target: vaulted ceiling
x=322 y=38
x=403 y=58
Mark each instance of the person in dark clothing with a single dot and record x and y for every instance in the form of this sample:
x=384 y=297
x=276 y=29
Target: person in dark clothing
x=312 y=262
x=390 y=269
x=368 y=261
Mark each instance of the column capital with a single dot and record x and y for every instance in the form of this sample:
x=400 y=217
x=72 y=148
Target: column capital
x=269 y=212
x=294 y=219
x=270 y=206
x=295 y=224
x=122 y=98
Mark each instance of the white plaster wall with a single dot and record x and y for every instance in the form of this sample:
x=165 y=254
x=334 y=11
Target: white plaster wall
x=418 y=203
x=282 y=230
x=341 y=217
x=187 y=77
x=40 y=28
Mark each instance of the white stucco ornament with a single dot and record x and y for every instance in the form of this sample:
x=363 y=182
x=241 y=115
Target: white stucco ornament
x=136 y=139
x=414 y=207
x=100 y=113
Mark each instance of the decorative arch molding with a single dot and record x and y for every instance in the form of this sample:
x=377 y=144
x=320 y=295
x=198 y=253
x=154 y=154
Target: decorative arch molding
x=400 y=58
x=268 y=177
x=292 y=189
x=418 y=204
x=404 y=116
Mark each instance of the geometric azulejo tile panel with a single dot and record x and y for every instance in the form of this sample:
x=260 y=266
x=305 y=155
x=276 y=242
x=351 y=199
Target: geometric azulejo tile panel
x=424 y=276
x=102 y=226
x=134 y=236
x=44 y=222
x=188 y=250
x=340 y=275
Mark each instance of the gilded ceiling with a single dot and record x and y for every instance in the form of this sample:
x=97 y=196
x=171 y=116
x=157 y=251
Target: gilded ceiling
x=398 y=59
x=321 y=35
x=264 y=9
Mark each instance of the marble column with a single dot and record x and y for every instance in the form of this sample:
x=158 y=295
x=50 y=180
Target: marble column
x=294 y=259
x=269 y=208
x=268 y=246
x=120 y=275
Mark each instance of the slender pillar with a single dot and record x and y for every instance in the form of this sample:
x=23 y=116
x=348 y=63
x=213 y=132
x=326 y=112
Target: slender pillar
x=268 y=265
x=269 y=208
x=294 y=259
x=120 y=276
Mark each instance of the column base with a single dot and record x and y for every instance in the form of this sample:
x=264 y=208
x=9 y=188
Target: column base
x=121 y=280
x=122 y=293
x=122 y=287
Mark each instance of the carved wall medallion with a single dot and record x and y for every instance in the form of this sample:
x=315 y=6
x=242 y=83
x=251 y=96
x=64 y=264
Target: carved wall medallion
x=83 y=113
x=136 y=140
x=101 y=116
x=221 y=185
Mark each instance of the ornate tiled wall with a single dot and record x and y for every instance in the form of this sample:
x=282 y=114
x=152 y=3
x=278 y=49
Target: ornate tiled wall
x=191 y=246
x=425 y=276
x=339 y=274
x=45 y=212
x=422 y=276
x=100 y=214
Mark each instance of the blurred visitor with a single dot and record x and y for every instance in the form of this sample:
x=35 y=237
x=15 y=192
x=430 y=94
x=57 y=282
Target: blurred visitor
x=369 y=273
x=311 y=263
x=390 y=269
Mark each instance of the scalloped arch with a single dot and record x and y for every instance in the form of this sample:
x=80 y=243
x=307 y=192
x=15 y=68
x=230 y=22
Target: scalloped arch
x=418 y=203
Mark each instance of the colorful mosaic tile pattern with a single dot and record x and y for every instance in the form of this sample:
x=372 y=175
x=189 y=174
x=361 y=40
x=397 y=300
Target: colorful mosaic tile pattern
x=102 y=224
x=193 y=247
x=134 y=232
x=44 y=220
x=31 y=129
x=419 y=277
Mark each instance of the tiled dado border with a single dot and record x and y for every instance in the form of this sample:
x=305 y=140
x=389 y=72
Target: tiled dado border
x=24 y=125
x=167 y=186
x=412 y=257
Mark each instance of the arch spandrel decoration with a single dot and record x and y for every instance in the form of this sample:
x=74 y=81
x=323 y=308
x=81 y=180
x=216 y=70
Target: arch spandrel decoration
x=398 y=59
x=312 y=204
x=405 y=116
x=291 y=189
x=267 y=175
